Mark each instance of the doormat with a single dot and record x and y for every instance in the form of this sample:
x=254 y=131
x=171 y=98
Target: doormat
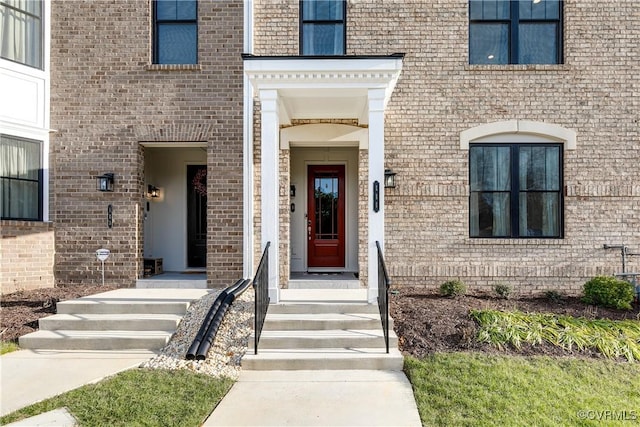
x=194 y=272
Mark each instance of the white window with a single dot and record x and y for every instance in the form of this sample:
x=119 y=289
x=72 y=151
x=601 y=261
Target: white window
x=20 y=178
x=21 y=31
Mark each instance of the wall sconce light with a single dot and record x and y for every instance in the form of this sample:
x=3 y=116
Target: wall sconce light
x=153 y=191
x=389 y=179
x=105 y=182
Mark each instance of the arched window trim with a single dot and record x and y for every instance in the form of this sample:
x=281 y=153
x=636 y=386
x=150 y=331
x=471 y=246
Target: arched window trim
x=539 y=132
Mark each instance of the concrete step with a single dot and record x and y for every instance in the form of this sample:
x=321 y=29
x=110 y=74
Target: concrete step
x=308 y=339
x=95 y=340
x=330 y=358
x=111 y=322
x=322 y=321
x=320 y=307
x=122 y=319
x=88 y=305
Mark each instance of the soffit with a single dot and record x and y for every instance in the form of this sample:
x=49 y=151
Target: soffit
x=324 y=88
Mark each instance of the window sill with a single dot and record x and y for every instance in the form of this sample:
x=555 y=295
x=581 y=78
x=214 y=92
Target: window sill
x=516 y=241
x=517 y=67
x=173 y=67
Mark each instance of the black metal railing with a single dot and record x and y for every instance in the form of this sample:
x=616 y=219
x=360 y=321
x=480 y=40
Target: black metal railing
x=383 y=295
x=261 y=289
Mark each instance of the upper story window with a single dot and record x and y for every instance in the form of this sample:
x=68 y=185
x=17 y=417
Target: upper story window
x=20 y=178
x=175 y=32
x=515 y=31
x=21 y=31
x=516 y=190
x=322 y=27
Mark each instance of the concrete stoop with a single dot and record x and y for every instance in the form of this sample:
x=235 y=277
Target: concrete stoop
x=323 y=336
x=123 y=319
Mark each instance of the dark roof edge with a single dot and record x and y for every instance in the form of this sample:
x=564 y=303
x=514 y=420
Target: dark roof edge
x=250 y=56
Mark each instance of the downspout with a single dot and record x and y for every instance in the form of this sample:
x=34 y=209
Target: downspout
x=212 y=330
x=206 y=323
x=247 y=148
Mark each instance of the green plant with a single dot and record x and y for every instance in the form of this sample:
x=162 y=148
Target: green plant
x=503 y=290
x=607 y=291
x=453 y=288
x=553 y=296
x=8 y=347
x=612 y=338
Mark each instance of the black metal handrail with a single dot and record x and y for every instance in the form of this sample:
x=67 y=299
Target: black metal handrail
x=261 y=289
x=383 y=295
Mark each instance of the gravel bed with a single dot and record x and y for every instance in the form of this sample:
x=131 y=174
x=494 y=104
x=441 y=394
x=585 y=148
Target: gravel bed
x=228 y=347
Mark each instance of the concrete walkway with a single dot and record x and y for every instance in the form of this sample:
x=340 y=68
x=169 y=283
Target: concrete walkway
x=259 y=398
x=318 y=398
x=29 y=376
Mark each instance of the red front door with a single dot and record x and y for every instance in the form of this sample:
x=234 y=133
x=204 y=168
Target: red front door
x=325 y=219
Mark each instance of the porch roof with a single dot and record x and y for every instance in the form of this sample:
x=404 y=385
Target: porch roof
x=324 y=87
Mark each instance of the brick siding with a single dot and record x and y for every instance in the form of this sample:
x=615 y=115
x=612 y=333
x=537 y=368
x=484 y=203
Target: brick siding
x=107 y=98
x=26 y=255
x=439 y=95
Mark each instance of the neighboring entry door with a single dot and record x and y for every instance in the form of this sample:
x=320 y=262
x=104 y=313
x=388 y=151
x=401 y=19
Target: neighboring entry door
x=325 y=216
x=196 y=215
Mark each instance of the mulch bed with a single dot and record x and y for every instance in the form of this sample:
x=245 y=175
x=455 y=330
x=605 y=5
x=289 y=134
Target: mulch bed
x=427 y=323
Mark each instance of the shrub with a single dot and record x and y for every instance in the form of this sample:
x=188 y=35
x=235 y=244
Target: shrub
x=553 y=296
x=607 y=291
x=453 y=288
x=503 y=290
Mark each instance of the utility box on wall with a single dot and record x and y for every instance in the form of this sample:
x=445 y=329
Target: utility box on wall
x=152 y=266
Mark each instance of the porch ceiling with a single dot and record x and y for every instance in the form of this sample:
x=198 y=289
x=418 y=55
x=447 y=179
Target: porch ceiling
x=324 y=87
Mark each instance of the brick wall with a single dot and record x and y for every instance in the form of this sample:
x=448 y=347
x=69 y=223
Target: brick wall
x=107 y=98
x=439 y=95
x=26 y=255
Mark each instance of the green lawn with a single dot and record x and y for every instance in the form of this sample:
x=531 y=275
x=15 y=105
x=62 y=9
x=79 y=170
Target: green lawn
x=465 y=389
x=138 y=397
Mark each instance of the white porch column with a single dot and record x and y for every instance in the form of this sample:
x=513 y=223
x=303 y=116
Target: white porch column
x=376 y=173
x=269 y=186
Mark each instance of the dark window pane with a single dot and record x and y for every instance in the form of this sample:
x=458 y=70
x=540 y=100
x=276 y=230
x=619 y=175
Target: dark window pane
x=166 y=10
x=177 y=44
x=552 y=9
x=20 y=162
x=176 y=10
x=539 y=214
x=490 y=168
x=323 y=39
x=322 y=10
x=326 y=215
x=490 y=215
x=488 y=44
x=187 y=9
x=538 y=43
x=539 y=168
x=489 y=9
x=544 y=9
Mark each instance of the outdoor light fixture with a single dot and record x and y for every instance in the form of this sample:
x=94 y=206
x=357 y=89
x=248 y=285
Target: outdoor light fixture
x=389 y=179
x=153 y=191
x=105 y=182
